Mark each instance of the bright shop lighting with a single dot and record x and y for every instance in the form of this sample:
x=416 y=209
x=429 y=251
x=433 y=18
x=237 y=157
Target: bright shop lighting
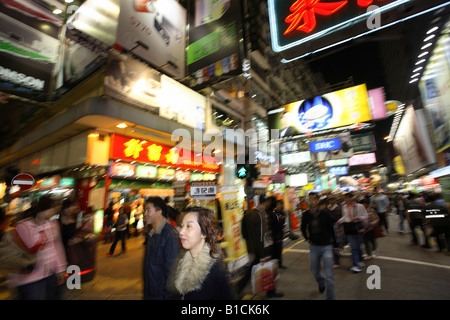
x=122 y=125
x=417 y=69
x=415 y=75
x=57 y=11
x=422 y=54
x=414 y=80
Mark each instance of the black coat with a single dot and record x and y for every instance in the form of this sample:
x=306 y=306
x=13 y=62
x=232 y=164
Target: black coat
x=161 y=253
x=214 y=287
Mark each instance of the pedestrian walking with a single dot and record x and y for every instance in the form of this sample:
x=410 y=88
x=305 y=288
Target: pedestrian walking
x=200 y=274
x=277 y=220
x=416 y=218
x=318 y=229
x=258 y=239
x=354 y=219
x=438 y=216
x=42 y=236
x=162 y=248
x=121 y=232
x=400 y=203
x=370 y=241
x=381 y=203
x=335 y=211
x=109 y=221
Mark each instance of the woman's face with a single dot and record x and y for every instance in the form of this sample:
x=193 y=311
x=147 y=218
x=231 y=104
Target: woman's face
x=191 y=236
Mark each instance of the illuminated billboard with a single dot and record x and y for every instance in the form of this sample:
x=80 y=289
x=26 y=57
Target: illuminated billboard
x=363 y=158
x=302 y=27
x=331 y=110
x=154 y=31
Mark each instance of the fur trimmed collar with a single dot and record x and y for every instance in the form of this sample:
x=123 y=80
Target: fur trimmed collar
x=192 y=272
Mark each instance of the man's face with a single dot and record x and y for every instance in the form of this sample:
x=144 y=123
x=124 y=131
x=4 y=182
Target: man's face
x=151 y=214
x=314 y=200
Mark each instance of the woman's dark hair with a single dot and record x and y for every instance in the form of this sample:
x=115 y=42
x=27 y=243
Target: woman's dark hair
x=208 y=227
x=158 y=203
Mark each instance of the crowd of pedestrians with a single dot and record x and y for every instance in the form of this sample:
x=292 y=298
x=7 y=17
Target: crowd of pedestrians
x=331 y=222
x=183 y=258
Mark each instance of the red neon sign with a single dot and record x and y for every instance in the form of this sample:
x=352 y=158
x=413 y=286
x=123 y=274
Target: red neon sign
x=133 y=149
x=303 y=16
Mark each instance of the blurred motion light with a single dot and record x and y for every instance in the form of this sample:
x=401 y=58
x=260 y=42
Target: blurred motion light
x=417 y=69
x=426 y=46
x=422 y=54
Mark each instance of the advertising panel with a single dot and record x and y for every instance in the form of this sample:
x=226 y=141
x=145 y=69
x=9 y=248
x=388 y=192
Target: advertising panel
x=293 y=23
x=364 y=142
x=300 y=28
x=363 y=158
x=412 y=141
x=435 y=92
x=343 y=149
x=297 y=180
x=28 y=48
x=132 y=81
x=122 y=169
x=232 y=216
x=132 y=149
x=295 y=158
x=147 y=172
x=155 y=31
x=214 y=34
x=331 y=110
x=325 y=145
x=338 y=171
x=377 y=102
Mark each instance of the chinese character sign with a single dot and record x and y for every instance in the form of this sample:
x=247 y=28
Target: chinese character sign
x=231 y=216
x=140 y=150
x=293 y=22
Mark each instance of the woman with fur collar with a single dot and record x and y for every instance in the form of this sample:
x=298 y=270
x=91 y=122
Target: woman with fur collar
x=200 y=274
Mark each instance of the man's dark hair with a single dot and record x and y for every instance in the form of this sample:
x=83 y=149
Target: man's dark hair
x=314 y=194
x=158 y=203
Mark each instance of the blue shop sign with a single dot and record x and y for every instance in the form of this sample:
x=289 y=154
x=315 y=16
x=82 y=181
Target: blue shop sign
x=325 y=145
x=338 y=171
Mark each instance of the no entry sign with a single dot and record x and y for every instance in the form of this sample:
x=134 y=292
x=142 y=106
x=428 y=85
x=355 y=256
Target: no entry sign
x=24 y=181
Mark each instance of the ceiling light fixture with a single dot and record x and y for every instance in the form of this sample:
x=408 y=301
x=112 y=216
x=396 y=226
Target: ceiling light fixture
x=414 y=80
x=420 y=61
x=431 y=36
x=432 y=30
x=122 y=125
x=422 y=54
x=415 y=75
x=57 y=11
x=426 y=46
x=417 y=69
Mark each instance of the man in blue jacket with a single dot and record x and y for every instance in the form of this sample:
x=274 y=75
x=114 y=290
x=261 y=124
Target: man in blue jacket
x=161 y=252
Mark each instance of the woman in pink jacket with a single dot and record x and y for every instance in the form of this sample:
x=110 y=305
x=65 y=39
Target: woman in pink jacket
x=44 y=238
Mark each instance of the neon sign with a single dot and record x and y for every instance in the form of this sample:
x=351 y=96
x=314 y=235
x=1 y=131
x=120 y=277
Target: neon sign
x=305 y=10
x=293 y=23
x=133 y=149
